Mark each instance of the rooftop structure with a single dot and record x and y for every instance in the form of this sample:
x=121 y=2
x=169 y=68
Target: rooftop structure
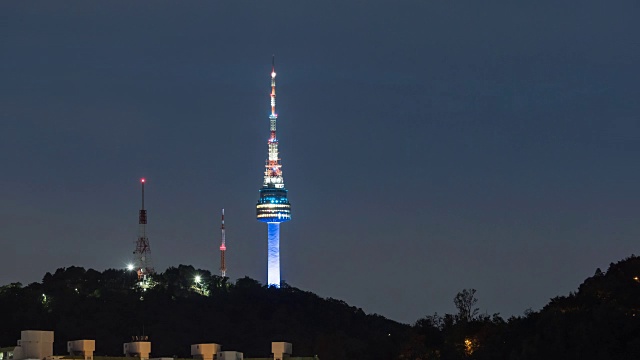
x=205 y=351
x=34 y=344
x=38 y=344
x=138 y=349
x=273 y=207
x=281 y=350
x=84 y=348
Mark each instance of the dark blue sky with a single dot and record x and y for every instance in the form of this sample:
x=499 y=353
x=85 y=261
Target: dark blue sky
x=428 y=146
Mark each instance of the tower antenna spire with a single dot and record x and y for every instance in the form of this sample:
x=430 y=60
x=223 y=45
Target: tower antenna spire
x=273 y=207
x=223 y=249
x=142 y=253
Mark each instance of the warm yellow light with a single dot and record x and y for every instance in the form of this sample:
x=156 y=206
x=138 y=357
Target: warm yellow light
x=469 y=346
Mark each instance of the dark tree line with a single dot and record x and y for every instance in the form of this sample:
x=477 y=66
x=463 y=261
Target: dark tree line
x=245 y=316
x=599 y=321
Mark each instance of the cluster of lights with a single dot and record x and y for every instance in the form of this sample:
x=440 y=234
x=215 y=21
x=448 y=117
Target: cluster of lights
x=273 y=216
x=274 y=206
x=275 y=180
x=199 y=287
x=264 y=214
x=273 y=200
x=469 y=346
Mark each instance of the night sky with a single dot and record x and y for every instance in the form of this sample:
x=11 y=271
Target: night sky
x=428 y=146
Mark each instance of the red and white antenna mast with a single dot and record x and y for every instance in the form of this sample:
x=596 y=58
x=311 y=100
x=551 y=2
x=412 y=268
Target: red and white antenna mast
x=273 y=167
x=223 y=248
x=142 y=254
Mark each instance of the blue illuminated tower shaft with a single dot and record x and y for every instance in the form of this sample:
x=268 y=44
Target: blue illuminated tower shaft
x=273 y=260
x=273 y=206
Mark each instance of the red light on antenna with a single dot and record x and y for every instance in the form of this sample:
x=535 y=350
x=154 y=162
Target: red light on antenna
x=142 y=180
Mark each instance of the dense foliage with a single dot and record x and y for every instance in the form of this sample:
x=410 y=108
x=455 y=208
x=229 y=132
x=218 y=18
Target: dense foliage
x=176 y=312
x=599 y=321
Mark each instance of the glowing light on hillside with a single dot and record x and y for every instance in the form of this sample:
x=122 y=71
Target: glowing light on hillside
x=469 y=346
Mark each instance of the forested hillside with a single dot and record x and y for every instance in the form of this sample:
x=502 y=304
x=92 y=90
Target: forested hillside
x=601 y=320
x=244 y=316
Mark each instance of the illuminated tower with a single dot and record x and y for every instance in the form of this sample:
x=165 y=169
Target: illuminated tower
x=223 y=248
x=273 y=206
x=142 y=254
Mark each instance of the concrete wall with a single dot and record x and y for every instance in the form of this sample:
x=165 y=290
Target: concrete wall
x=230 y=355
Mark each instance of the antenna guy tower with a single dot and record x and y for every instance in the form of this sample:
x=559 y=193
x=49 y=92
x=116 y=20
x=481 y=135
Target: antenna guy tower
x=142 y=254
x=223 y=248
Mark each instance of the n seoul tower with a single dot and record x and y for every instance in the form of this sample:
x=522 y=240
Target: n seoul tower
x=273 y=206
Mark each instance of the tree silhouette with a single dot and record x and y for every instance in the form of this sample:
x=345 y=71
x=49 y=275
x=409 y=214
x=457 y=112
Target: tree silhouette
x=465 y=302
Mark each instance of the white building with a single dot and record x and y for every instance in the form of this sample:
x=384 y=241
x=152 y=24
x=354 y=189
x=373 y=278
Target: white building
x=34 y=344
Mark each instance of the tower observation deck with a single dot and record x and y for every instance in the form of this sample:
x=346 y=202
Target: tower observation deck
x=273 y=207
